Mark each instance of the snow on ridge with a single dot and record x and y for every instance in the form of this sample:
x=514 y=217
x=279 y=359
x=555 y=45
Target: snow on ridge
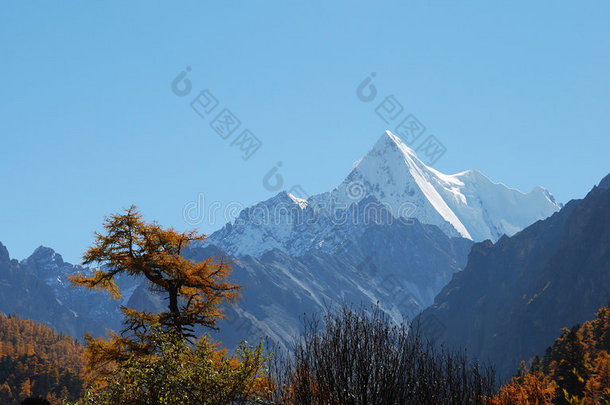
x=466 y=204
x=389 y=158
x=301 y=202
x=417 y=169
x=486 y=209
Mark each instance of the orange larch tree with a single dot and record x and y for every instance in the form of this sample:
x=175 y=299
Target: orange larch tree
x=194 y=291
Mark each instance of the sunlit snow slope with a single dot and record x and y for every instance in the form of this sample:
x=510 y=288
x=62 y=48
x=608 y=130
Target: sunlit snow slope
x=466 y=204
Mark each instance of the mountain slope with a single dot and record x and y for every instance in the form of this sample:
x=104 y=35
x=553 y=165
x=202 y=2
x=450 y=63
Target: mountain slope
x=393 y=216
x=401 y=266
x=37 y=362
x=24 y=293
x=514 y=296
x=465 y=204
x=38 y=288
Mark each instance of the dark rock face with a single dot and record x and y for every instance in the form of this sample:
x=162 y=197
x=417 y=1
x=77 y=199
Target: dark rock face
x=514 y=296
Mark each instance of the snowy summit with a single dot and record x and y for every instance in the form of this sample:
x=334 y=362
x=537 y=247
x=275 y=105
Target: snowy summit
x=465 y=204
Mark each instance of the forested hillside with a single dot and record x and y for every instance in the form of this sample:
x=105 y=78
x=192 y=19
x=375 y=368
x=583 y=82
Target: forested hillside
x=36 y=361
x=575 y=370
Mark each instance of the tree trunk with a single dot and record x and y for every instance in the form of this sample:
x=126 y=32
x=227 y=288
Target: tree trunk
x=173 y=308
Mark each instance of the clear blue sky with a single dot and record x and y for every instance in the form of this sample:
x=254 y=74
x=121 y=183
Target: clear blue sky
x=89 y=123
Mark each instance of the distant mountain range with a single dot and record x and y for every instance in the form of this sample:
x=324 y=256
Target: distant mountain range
x=393 y=232
x=35 y=289
x=515 y=295
x=38 y=288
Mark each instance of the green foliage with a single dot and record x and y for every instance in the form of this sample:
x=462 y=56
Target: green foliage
x=571 y=368
x=180 y=373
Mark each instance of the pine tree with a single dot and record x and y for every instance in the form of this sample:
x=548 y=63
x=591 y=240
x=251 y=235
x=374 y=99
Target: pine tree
x=576 y=368
x=571 y=371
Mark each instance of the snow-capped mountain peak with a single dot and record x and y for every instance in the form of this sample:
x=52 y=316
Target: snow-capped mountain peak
x=392 y=172
x=466 y=204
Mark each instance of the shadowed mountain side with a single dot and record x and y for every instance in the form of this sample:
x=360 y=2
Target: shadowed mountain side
x=514 y=296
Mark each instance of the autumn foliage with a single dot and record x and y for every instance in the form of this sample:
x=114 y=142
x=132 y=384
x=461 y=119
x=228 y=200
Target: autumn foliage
x=575 y=370
x=194 y=291
x=157 y=358
x=35 y=361
x=177 y=373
